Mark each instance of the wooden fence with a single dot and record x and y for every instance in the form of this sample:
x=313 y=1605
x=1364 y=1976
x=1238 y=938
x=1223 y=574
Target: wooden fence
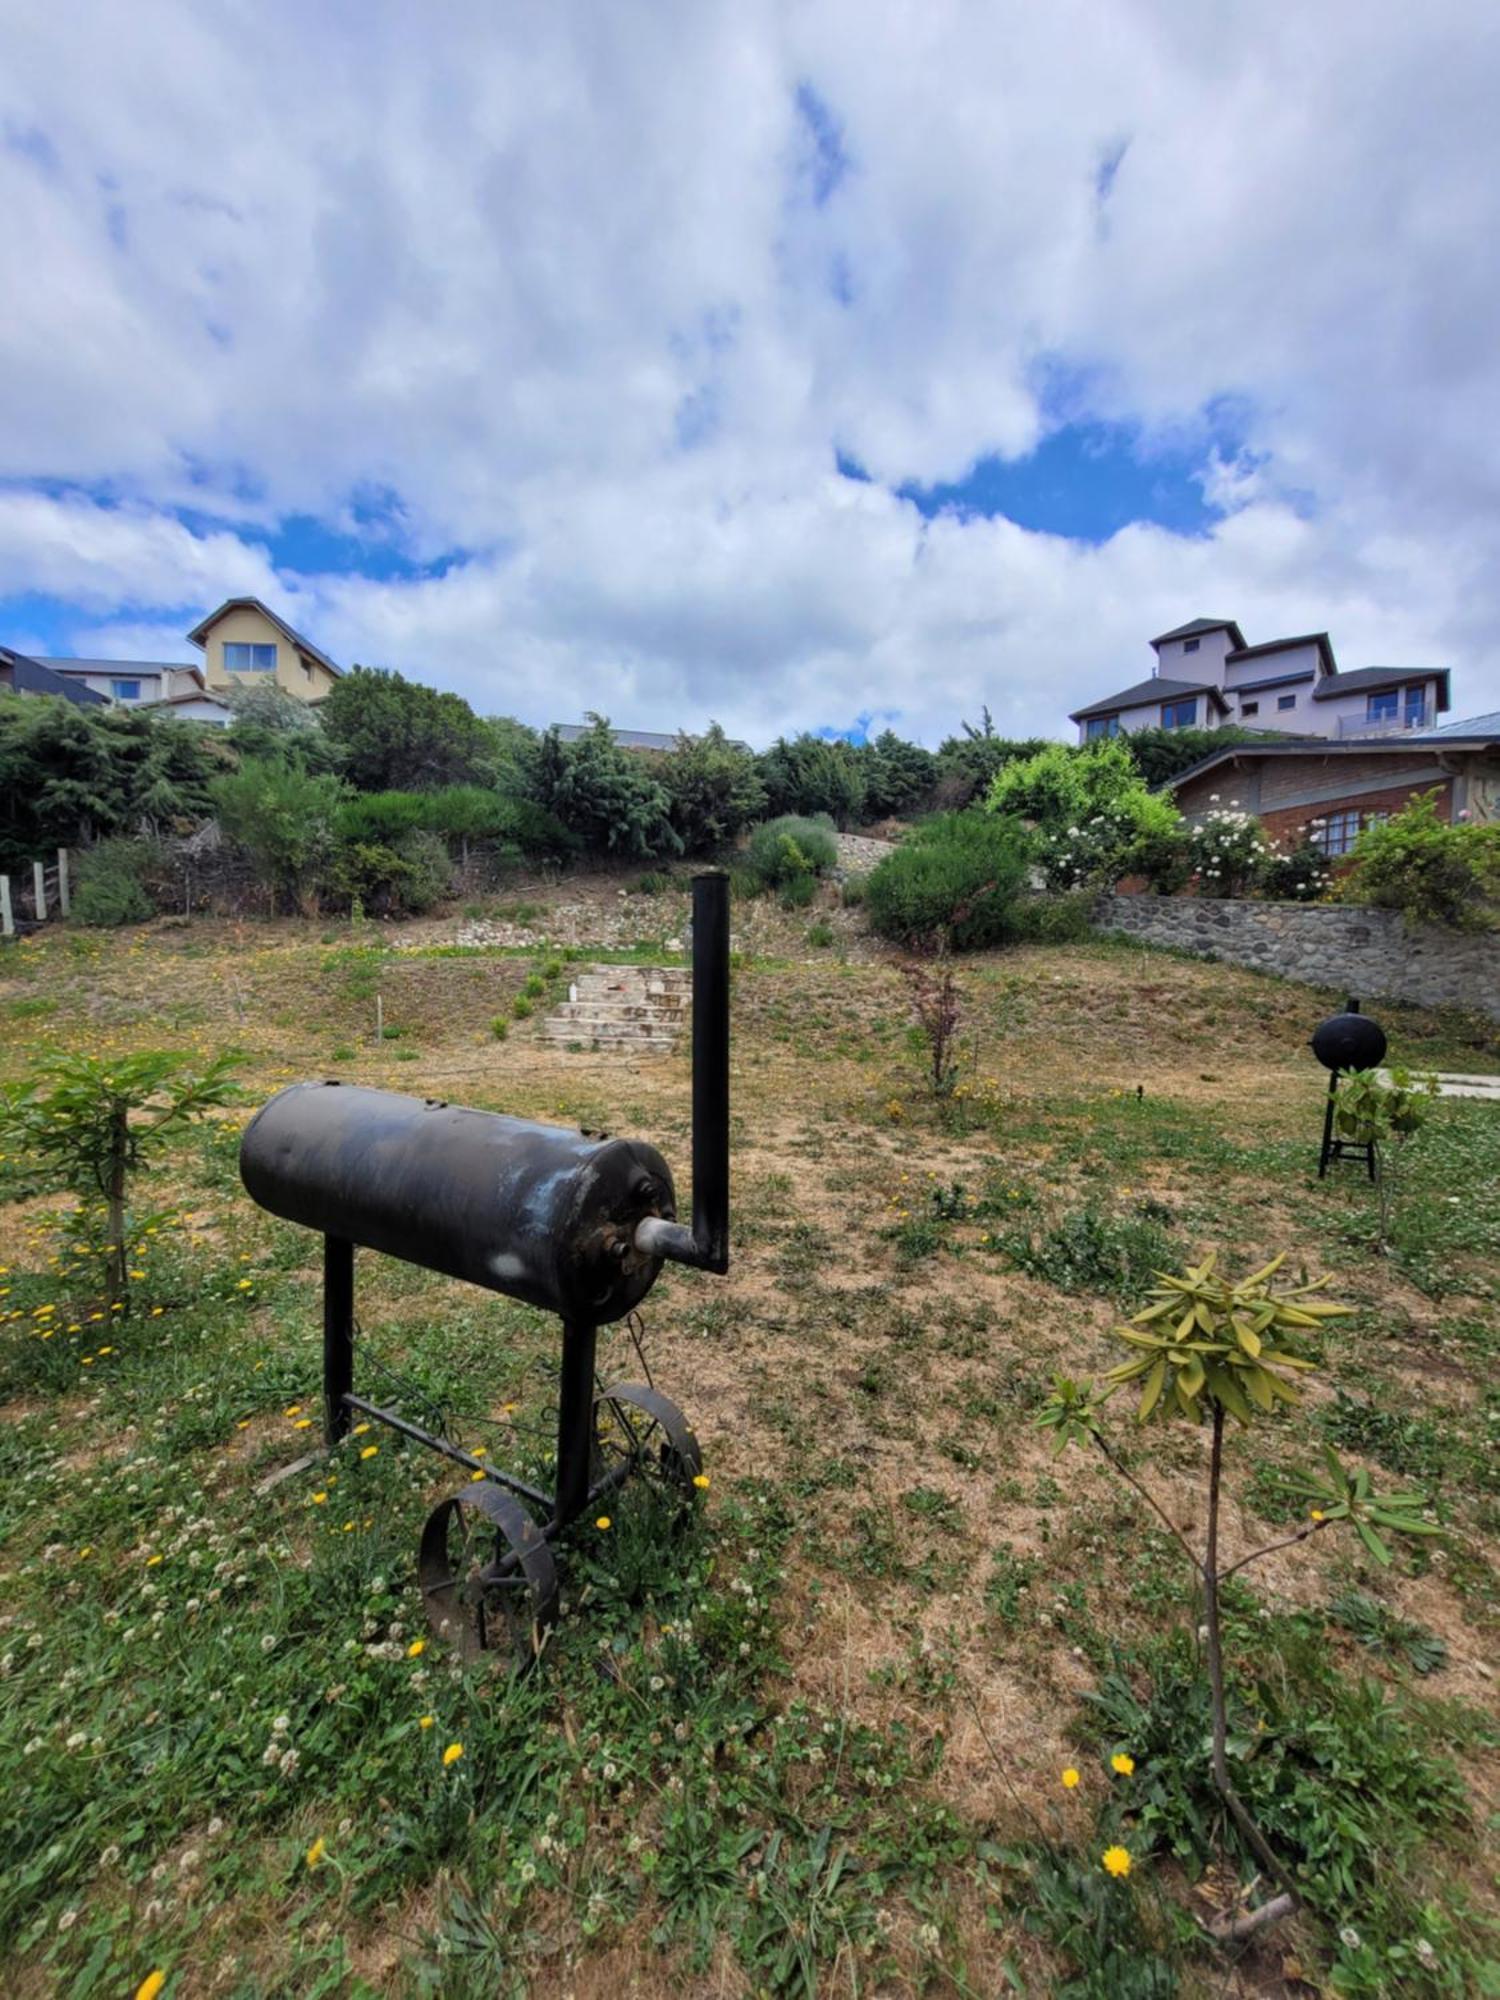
x=29 y=900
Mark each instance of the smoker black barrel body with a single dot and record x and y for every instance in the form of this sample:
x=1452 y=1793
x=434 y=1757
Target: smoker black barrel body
x=542 y=1213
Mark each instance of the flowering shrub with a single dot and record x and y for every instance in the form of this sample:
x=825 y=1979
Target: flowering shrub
x=1228 y=851
x=1299 y=875
x=1432 y=872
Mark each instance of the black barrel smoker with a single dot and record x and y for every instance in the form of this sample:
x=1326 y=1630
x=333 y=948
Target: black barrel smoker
x=574 y=1222
x=1346 y=1041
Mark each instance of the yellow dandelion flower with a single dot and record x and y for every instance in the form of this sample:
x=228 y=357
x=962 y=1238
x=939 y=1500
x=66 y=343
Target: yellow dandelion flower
x=320 y=1499
x=303 y=1424
x=602 y=1522
x=701 y=1481
x=1121 y=1765
x=475 y=1475
x=316 y=1852
x=152 y=1561
x=425 y=1721
x=1070 y=1778
x=360 y=1429
x=1116 y=1860
x=294 y=1411
x=452 y=1754
x=1316 y=1514
x=416 y=1648
x=369 y=1451
x=151 y=1985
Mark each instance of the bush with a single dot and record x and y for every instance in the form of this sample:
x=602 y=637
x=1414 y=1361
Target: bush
x=783 y=849
x=1228 y=852
x=714 y=790
x=952 y=885
x=283 y=817
x=811 y=775
x=1162 y=754
x=1298 y=877
x=967 y=765
x=1090 y=1251
x=1053 y=919
x=1092 y=810
x=609 y=798
x=1430 y=871
x=395 y=734
x=899 y=776
x=797 y=891
x=114 y=884
x=402 y=878
x=853 y=890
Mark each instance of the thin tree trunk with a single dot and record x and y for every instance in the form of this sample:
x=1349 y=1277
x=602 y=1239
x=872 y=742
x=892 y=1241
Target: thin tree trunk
x=1261 y=1848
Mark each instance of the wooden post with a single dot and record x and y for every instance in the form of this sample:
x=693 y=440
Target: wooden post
x=7 y=921
x=39 y=890
x=379 y=1019
x=63 y=899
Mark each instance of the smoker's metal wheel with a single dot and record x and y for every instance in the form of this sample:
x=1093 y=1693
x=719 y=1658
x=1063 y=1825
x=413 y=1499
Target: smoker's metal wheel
x=639 y=1432
x=487 y=1575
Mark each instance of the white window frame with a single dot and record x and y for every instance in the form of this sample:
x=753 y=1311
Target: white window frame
x=250 y=666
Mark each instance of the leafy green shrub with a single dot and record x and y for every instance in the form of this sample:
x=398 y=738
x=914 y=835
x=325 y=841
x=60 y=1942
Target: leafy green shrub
x=114 y=884
x=609 y=799
x=395 y=734
x=1091 y=1251
x=1228 y=852
x=952 y=884
x=714 y=790
x=797 y=892
x=782 y=849
x=652 y=883
x=820 y=935
x=853 y=890
x=521 y=1007
x=283 y=817
x=968 y=764
x=1432 y=872
x=401 y=879
x=1053 y=919
x=809 y=775
x=1299 y=876
x=899 y=777
x=500 y=1027
x=1163 y=857
x=1091 y=807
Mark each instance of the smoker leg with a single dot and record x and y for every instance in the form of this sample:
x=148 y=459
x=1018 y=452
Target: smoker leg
x=575 y=1421
x=338 y=1334
x=1327 y=1153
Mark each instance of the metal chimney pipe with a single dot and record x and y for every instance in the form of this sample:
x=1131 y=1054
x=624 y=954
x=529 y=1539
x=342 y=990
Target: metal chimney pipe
x=706 y=1244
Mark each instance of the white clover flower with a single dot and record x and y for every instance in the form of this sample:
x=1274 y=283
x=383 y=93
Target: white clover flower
x=1350 y=1938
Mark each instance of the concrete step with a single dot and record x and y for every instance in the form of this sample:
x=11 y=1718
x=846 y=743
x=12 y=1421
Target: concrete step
x=638 y=1010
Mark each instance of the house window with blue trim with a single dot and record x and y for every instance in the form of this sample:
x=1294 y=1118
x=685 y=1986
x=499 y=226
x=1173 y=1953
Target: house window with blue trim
x=1382 y=707
x=1179 y=714
x=243 y=659
x=125 y=690
x=1101 y=725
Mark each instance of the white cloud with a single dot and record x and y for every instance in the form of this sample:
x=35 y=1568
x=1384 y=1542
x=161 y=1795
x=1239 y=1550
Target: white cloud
x=560 y=279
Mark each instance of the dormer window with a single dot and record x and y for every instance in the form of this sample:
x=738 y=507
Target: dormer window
x=1190 y=645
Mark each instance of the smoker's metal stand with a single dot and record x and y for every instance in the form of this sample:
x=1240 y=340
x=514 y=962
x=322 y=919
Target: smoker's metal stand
x=574 y=1222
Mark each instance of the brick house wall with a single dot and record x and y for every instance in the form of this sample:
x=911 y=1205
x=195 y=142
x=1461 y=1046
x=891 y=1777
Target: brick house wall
x=1286 y=826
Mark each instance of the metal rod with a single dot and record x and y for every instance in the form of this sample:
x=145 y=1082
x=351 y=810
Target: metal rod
x=338 y=1335
x=706 y=1244
x=459 y=1456
x=575 y=1419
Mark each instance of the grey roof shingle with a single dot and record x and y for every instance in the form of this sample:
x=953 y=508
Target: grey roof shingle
x=1358 y=679
x=28 y=675
x=1195 y=627
x=1157 y=688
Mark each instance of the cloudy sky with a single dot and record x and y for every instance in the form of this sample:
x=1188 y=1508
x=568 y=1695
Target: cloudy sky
x=793 y=365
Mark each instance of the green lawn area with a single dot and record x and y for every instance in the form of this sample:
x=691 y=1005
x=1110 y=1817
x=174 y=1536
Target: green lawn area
x=808 y=1739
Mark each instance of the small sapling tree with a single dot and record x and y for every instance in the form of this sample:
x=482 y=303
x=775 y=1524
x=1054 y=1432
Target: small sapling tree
x=1383 y=1111
x=89 y=1121
x=1209 y=1347
x=938 y=1008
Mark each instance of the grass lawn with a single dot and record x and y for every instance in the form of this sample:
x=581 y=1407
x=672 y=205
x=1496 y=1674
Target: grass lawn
x=811 y=1742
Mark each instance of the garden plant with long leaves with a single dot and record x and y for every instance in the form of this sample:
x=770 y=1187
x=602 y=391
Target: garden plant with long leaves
x=1209 y=1347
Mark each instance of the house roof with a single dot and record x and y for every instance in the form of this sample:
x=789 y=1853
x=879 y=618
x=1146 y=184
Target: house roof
x=1359 y=680
x=1157 y=688
x=1475 y=725
x=634 y=739
x=1318 y=639
x=1472 y=738
x=1275 y=681
x=199 y=633
x=1197 y=626
x=31 y=676
x=116 y=668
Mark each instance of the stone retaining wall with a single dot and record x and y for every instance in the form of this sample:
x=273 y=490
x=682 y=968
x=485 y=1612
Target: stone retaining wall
x=1370 y=953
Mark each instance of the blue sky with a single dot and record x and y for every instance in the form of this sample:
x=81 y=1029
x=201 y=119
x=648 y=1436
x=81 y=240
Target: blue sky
x=784 y=367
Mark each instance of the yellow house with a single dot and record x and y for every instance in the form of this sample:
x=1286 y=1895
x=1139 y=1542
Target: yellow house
x=243 y=641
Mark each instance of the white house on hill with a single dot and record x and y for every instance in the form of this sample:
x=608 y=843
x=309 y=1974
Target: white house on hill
x=1206 y=676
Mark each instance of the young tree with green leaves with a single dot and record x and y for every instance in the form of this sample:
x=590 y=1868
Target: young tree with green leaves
x=394 y=735
x=1383 y=1112
x=88 y=1122
x=1208 y=1347
x=609 y=797
x=713 y=788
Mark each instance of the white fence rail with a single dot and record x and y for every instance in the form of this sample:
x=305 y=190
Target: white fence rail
x=26 y=903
